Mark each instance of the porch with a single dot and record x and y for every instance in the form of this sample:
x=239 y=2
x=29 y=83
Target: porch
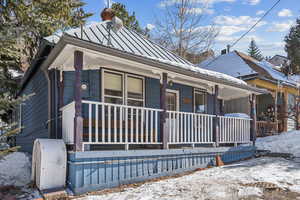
x=122 y=127
x=113 y=102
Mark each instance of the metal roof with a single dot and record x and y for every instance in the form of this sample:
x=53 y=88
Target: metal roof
x=133 y=45
x=125 y=40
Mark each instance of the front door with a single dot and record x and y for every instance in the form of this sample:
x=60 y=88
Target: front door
x=172 y=104
x=172 y=100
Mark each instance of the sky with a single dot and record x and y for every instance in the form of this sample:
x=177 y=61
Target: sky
x=231 y=17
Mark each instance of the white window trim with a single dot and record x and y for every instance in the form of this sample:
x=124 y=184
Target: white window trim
x=177 y=99
x=199 y=90
x=102 y=84
x=126 y=82
x=124 y=86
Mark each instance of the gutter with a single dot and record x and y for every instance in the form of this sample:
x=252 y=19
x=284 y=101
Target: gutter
x=67 y=39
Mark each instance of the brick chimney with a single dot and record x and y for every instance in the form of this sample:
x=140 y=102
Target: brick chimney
x=107 y=14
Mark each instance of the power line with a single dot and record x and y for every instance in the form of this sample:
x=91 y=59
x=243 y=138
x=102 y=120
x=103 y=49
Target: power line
x=252 y=27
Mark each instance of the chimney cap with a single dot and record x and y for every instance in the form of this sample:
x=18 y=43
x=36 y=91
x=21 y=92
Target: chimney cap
x=107 y=14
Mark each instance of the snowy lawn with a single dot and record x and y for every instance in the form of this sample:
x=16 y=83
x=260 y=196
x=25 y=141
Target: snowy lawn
x=246 y=180
x=15 y=172
x=288 y=142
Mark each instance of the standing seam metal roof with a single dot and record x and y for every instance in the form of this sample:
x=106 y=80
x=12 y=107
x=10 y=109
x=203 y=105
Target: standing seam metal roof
x=125 y=40
x=130 y=42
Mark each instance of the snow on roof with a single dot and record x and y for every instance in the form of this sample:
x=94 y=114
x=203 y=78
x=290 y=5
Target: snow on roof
x=235 y=64
x=231 y=64
x=131 y=42
x=274 y=73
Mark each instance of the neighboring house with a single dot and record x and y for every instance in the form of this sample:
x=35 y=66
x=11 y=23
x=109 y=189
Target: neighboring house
x=100 y=89
x=272 y=108
x=279 y=61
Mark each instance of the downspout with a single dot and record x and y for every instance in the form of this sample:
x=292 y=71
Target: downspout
x=55 y=103
x=49 y=101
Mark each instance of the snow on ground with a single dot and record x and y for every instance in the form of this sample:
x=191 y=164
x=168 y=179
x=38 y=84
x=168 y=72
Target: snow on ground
x=15 y=169
x=287 y=142
x=225 y=182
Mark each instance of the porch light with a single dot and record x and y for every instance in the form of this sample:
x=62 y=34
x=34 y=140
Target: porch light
x=84 y=86
x=170 y=83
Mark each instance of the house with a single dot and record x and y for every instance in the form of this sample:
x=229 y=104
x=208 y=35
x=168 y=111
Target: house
x=129 y=109
x=279 y=61
x=272 y=108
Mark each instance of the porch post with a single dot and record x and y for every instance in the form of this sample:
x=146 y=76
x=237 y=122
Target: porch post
x=285 y=111
x=253 y=117
x=216 y=119
x=78 y=120
x=276 y=110
x=163 y=132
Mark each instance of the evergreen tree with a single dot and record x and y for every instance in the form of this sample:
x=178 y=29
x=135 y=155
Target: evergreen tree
x=129 y=21
x=23 y=23
x=292 y=47
x=254 y=51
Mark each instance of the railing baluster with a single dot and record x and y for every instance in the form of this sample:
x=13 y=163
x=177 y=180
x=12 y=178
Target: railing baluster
x=90 y=122
x=147 y=123
x=96 y=123
x=126 y=126
x=103 y=122
x=202 y=129
x=142 y=125
x=173 y=127
x=177 y=127
x=198 y=128
x=151 y=126
x=121 y=124
x=185 y=127
x=136 y=125
x=181 y=127
x=115 y=124
x=131 y=125
x=192 y=128
x=189 y=128
x=156 y=122
x=109 y=123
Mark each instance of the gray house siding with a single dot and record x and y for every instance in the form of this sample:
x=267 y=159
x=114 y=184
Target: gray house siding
x=89 y=77
x=152 y=93
x=34 y=112
x=92 y=78
x=185 y=92
x=241 y=105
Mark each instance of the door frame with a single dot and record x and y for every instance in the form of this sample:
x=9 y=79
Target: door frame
x=177 y=97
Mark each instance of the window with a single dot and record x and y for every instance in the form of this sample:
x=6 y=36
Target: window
x=135 y=91
x=200 y=101
x=114 y=84
x=113 y=88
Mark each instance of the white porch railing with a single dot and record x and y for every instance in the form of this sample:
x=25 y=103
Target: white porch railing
x=106 y=123
x=120 y=124
x=191 y=128
x=234 y=130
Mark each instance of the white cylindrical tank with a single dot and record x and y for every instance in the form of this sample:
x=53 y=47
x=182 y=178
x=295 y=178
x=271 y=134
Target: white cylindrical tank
x=49 y=163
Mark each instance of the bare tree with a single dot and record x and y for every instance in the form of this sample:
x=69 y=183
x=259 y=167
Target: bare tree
x=182 y=29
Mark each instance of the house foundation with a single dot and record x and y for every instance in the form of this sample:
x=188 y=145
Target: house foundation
x=96 y=170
